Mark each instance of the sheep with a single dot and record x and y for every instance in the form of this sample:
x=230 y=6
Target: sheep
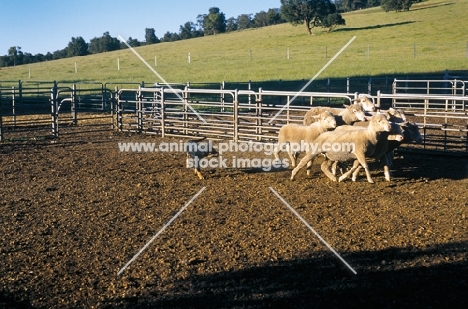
x=405 y=132
x=410 y=134
x=381 y=148
x=363 y=142
x=303 y=135
x=349 y=115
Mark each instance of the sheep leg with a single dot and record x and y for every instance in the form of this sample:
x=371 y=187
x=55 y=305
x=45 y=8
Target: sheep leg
x=278 y=148
x=362 y=160
x=334 y=166
x=386 y=167
x=292 y=156
x=309 y=166
x=355 y=166
x=356 y=172
x=326 y=169
x=305 y=159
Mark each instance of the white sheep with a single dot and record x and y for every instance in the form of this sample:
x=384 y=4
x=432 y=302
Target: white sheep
x=296 y=135
x=348 y=115
x=384 y=153
x=363 y=141
x=380 y=150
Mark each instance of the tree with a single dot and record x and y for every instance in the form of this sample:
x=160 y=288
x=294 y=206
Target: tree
x=133 y=42
x=396 y=5
x=260 y=19
x=15 y=54
x=103 y=44
x=77 y=47
x=189 y=30
x=231 y=24
x=150 y=36
x=311 y=13
x=171 y=37
x=332 y=21
x=274 y=17
x=244 y=21
x=214 y=22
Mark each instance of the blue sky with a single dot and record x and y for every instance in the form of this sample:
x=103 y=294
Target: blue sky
x=41 y=26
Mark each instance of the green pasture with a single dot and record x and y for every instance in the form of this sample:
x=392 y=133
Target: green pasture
x=429 y=39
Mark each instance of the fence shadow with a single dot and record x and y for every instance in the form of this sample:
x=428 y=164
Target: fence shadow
x=390 y=278
x=374 y=26
x=431 y=167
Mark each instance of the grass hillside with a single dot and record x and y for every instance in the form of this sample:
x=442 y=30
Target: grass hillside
x=430 y=38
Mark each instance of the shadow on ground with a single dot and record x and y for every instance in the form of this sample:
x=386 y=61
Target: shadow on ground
x=391 y=278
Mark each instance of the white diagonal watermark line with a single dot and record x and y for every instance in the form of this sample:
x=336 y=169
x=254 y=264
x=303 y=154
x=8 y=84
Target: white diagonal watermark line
x=161 y=78
x=160 y=231
x=313 y=231
x=313 y=78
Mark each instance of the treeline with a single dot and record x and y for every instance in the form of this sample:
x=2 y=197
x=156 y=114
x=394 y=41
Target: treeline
x=310 y=12
x=387 y=5
x=214 y=22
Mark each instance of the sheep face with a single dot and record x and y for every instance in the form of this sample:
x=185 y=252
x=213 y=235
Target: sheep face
x=328 y=120
x=380 y=123
x=358 y=111
x=411 y=132
x=366 y=103
x=396 y=116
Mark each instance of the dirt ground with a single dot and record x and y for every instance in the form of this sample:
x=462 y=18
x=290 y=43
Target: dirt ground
x=77 y=210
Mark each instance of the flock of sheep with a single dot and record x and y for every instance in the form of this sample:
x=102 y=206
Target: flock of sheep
x=372 y=135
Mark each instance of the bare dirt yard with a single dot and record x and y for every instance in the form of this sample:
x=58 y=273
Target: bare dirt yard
x=75 y=211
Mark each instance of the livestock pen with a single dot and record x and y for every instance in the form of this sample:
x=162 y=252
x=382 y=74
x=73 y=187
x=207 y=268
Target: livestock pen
x=77 y=208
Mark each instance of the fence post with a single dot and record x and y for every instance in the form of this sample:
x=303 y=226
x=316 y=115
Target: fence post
x=73 y=105
x=249 y=87
x=236 y=115
x=13 y=101
x=53 y=109
x=140 y=111
x=163 y=114
x=369 y=86
x=119 y=111
x=223 y=100
x=20 y=89
x=258 y=116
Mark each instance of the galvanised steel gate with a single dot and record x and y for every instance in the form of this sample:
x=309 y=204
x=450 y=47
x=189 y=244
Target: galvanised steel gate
x=220 y=114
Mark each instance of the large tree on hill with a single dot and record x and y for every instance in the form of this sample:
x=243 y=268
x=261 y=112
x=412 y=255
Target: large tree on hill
x=214 y=22
x=311 y=13
x=15 y=55
x=77 y=47
x=150 y=36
